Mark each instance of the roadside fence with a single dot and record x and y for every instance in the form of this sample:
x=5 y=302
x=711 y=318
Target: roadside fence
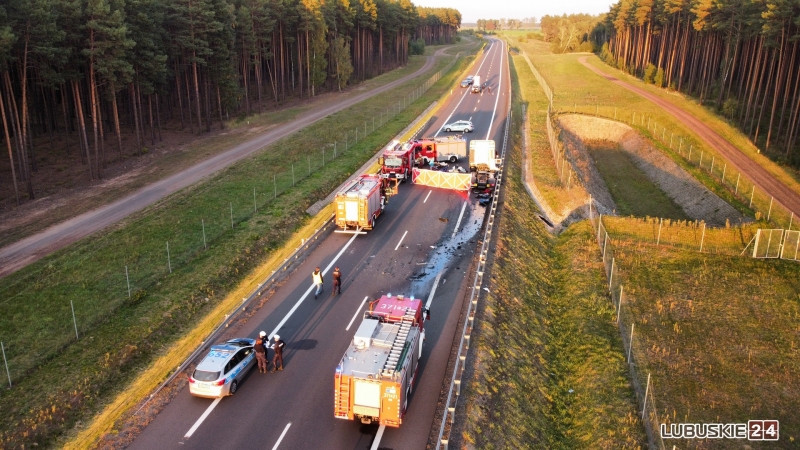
x=696 y=155
x=126 y=264
x=644 y=384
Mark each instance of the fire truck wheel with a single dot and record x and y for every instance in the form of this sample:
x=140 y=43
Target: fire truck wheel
x=453 y=159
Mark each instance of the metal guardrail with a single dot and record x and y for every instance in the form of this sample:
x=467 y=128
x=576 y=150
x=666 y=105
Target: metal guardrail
x=231 y=317
x=463 y=347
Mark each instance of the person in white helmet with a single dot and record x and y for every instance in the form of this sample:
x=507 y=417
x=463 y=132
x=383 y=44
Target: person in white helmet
x=263 y=342
x=277 y=347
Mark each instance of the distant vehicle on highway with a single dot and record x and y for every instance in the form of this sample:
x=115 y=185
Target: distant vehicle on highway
x=464 y=126
x=465 y=83
x=221 y=371
x=470 y=79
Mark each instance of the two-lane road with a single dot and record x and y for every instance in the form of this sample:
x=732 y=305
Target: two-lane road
x=415 y=241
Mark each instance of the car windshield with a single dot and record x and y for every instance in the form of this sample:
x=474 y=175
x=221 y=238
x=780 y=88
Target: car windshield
x=393 y=162
x=202 y=375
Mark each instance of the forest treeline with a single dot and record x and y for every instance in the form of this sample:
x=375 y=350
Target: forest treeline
x=90 y=71
x=737 y=56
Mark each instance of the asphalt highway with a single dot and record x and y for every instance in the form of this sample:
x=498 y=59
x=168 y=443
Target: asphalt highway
x=423 y=233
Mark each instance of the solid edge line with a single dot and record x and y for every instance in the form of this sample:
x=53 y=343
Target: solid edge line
x=378 y=437
x=499 y=84
x=401 y=240
x=275 y=447
x=433 y=290
x=297 y=305
x=202 y=418
x=356 y=314
x=460 y=216
x=426 y=197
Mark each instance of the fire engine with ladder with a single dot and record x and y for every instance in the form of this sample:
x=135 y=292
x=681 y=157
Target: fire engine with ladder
x=378 y=371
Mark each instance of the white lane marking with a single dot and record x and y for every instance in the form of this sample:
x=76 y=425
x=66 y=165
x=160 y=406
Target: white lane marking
x=202 y=418
x=426 y=197
x=401 y=240
x=275 y=447
x=294 y=308
x=311 y=288
x=433 y=291
x=463 y=96
x=458 y=222
x=356 y=314
x=378 y=437
x=497 y=99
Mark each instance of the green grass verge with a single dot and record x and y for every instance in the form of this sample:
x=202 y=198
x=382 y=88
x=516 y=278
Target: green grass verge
x=719 y=335
x=58 y=380
x=631 y=189
x=577 y=89
x=549 y=369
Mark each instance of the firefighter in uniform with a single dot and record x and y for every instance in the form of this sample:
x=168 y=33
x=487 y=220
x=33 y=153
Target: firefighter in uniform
x=337 y=282
x=277 y=346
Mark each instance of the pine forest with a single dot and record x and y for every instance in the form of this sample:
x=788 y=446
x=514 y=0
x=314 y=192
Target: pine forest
x=739 y=57
x=76 y=76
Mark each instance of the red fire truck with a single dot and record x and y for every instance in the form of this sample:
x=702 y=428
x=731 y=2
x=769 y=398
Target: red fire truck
x=377 y=373
x=360 y=203
x=397 y=161
x=450 y=148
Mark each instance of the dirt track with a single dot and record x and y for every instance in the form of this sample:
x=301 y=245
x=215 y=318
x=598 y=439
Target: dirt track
x=33 y=248
x=757 y=174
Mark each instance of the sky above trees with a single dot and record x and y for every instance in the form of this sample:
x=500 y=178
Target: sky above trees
x=472 y=10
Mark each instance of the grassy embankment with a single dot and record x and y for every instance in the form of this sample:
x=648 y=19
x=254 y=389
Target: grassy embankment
x=718 y=334
x=59 y=381
x=549 y=365
x=576 y=88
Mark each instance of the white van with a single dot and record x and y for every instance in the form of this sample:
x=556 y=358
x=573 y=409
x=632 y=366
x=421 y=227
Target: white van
x=476 y=84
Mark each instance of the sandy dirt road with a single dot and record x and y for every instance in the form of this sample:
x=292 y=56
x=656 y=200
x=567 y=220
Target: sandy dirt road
x=26 y=251
x=757 y=174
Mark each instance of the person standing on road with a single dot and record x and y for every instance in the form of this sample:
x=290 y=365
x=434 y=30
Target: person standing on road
x=261 y=356
x=316 y=276
x=337 y=282
x=265 y=345
x=277 y=347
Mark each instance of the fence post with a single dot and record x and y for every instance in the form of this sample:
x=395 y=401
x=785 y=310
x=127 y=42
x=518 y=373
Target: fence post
x=74 y=322
x=605 y=241
x=292 y=175
x=231 y=203
x=255 y=205
x=658 y=239
x=724 y=169
x=599 y=223
x=334 y=148
x=611 y=276
x=670 y=140
x=630 y=343
x=790 y=221
x=590 y=209
x=769 y=213
x=700 y=164
x=128 y=280
x=691 y=147
x=308 y=158
x=646 y=390
x=6 y=363
x=169 y=260
x=680 y=147
x=752 y=192
x=274 y=187
x=713 y=158
x=703 y=237
x=619 y=304
x=203 y=224
x=736 y=191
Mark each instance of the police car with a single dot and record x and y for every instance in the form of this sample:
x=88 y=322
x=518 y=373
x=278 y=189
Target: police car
x=221 y=371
